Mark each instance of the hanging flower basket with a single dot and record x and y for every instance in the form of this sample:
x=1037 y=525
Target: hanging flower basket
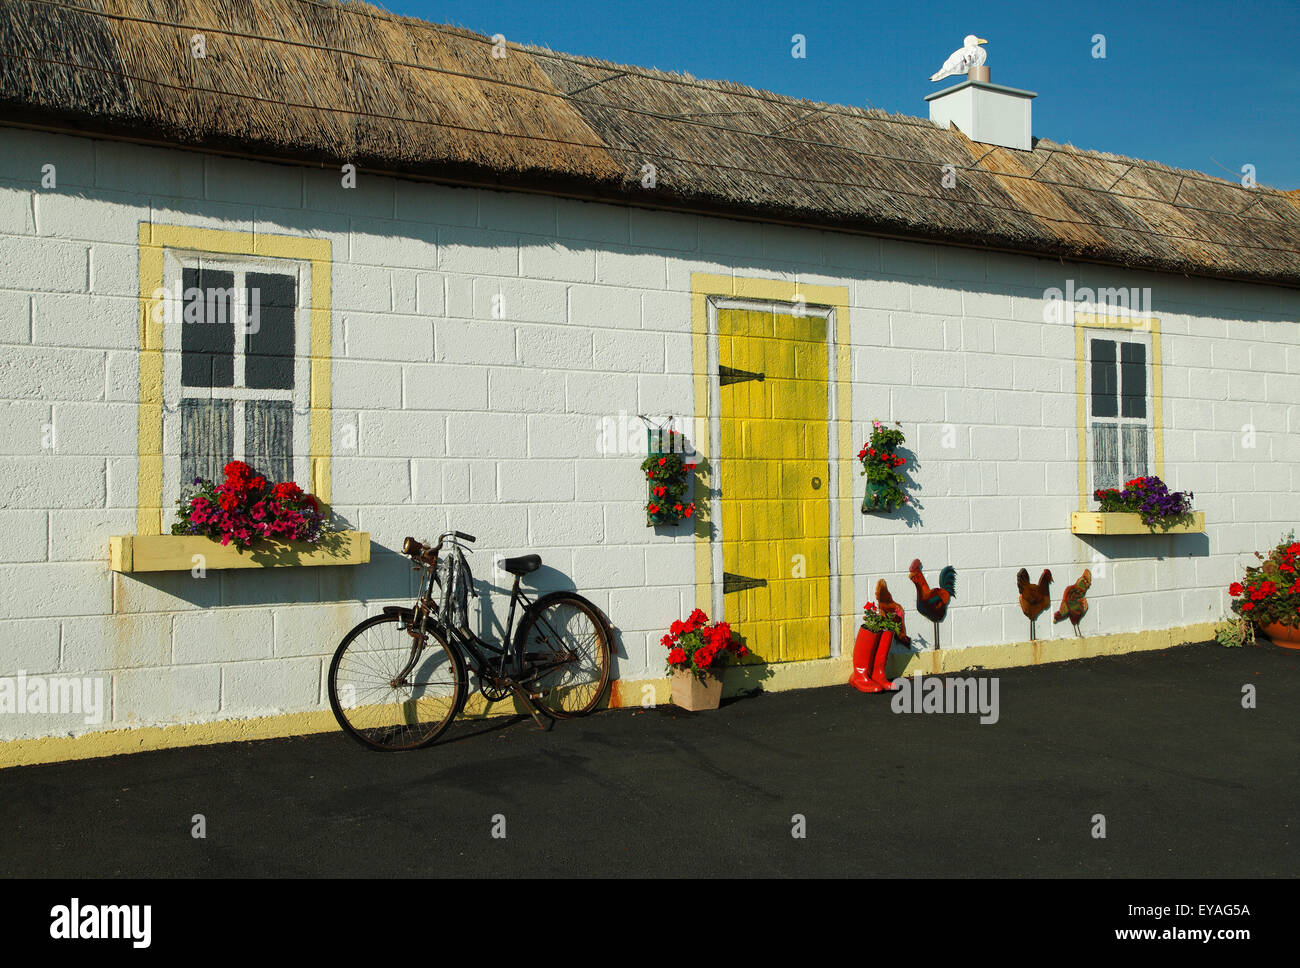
x=886 y=484
x=668 y=480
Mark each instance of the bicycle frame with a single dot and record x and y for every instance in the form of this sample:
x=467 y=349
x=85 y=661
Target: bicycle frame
x=470 y=644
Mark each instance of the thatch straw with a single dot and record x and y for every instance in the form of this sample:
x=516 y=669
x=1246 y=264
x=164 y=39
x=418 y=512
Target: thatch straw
x=327 y=82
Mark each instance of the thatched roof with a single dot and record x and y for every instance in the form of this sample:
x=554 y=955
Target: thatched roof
x=327 y=82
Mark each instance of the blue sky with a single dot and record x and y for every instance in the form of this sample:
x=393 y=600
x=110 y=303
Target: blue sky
x=1209 y=85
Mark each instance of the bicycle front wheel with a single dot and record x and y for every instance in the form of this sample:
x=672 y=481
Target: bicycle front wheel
x=390 y=695
x=565 y=642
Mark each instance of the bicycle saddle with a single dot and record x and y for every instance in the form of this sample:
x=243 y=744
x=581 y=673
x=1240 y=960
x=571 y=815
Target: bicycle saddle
x=521 y=565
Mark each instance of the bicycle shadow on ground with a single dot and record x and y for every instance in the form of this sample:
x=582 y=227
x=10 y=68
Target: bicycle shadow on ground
x=475 y=726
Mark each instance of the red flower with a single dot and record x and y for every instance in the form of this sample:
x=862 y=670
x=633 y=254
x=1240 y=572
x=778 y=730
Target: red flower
x=677 y=656
x=663 y=461
x=1248 y=606
x=677 y=628
x=690 y=509
x=654 y=508
x=1235 y=589
x=660 y=491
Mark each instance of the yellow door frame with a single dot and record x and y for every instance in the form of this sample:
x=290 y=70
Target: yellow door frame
x=707 y=290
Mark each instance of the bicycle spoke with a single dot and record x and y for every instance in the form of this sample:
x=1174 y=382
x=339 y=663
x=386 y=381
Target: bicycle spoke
x=378 y=707
x=567 y=657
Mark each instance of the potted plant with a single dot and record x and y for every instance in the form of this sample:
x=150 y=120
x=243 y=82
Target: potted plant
x=668 y=478
x=1269 y=595
x=246 y=508
x=871 y=649
x=880 y=464
x=695 y=648
x=1235 y=633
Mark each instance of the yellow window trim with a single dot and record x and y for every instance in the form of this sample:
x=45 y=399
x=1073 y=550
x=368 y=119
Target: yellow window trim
x=707 y=285
x=154 y=239
x=1149 y=324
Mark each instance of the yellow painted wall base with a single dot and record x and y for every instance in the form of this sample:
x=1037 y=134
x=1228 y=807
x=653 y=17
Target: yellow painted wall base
x=776 y=677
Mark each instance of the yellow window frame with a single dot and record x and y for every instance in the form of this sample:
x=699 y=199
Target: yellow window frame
x=154 y=240
x=1092 y=321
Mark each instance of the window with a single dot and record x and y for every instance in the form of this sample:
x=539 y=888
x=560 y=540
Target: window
x=238 y=387
x=1120 y=405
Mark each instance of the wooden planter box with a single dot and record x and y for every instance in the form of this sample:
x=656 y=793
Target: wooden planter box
x=1128 y=522
x=690 y=693
x=175 y=552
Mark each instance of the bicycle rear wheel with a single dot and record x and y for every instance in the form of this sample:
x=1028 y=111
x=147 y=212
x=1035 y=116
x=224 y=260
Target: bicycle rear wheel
x=384 y=700
x=565 y=642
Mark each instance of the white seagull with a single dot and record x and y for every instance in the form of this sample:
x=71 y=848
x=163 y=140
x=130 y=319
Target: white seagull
x=961 y=61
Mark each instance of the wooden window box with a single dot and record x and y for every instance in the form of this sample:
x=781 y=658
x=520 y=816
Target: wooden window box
x=175 y=552
x=1129 y=522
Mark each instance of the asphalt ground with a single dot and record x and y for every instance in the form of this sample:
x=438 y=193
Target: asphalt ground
x=1190 y=784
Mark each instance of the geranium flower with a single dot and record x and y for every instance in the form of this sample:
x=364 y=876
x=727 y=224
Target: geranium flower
x=1235 y=589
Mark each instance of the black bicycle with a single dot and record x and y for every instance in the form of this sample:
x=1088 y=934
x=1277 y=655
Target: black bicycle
x=398 y=679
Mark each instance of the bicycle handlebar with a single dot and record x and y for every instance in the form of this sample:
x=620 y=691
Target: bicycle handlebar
x=413 y=548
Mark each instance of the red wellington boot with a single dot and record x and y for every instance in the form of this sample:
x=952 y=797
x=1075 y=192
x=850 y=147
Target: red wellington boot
x=878 y=662
x=863 y=649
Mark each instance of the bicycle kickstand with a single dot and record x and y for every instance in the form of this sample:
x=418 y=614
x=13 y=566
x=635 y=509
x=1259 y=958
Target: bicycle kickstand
x=521 y=694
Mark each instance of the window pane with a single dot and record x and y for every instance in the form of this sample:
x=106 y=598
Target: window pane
x=1105 y=384
x=268 y=346
x=1135 y=451
x=1133 y=377
x=207 y=328
x=207 y=439
x=268 y=438
x=1105 y=455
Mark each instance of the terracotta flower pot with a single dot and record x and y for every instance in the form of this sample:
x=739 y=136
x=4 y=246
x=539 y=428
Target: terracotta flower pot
x=1286 y=636
x=690 y=693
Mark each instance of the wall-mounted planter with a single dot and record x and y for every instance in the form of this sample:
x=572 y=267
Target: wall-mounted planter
x=1129 y=522
x=175 y=552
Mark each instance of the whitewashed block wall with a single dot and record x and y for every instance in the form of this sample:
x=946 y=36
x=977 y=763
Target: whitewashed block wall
x=489 y=425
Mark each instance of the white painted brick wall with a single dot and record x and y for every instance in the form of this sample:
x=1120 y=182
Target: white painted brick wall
x=479 y=338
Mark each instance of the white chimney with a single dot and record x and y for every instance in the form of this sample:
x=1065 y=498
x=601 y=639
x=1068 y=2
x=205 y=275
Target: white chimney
x=985 y=112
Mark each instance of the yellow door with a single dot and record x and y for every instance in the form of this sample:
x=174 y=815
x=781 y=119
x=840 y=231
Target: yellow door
x=774 y=477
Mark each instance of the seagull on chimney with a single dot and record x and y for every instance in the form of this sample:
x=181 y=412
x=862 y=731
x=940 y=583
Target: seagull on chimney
x=970 y=55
